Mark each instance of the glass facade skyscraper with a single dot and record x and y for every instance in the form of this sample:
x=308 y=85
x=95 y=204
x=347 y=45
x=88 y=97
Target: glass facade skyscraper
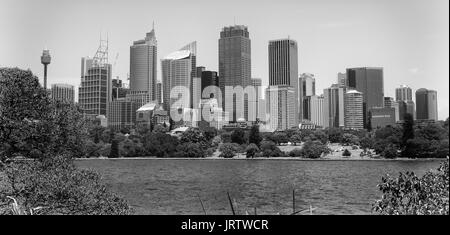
x=234 y=68
x=370 y=82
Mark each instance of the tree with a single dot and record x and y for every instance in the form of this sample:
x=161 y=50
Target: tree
x=228 y=150
x=160 y=145
x=254 y=136
x=190 y=150
x=296 y=138
x=346 y=153
x=350 y=139
x=159 y=129
x=410 y=195
x=25 y=114
x=335 y=135
x=270 y=149
x=366 y=143
x=390 y=152
x=314 y=149
x=251 y=150
x=238 y=136
x=280 y=137
x=408 y=130
x=114 y=149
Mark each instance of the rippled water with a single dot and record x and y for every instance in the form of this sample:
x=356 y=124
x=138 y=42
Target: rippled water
x=155 y=186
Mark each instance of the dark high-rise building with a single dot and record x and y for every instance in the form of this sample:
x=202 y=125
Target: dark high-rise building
x=308 y=84
x=370 y=82
x=426 y=104
x=118 y=90
x=283 y=71
x=388 y=102
x=159 y=92
x=234 y=68
x=143 y=69
x=209 y=78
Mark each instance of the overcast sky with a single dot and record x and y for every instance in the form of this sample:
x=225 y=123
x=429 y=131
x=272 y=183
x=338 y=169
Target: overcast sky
x=409 y=38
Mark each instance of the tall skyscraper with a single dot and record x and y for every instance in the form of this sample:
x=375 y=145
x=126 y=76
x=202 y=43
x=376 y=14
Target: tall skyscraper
x=426 y=104
x=45 y=60
x=283 y=71
x=178 y=69
x=334 y=112
x=257 y=84
x=309 y=89
x=159 y=92
x=143 y=69
x=369 y=81
x=95 y=91
x=234 y=68
x=63 y=93
x=342 y=79
x=403 y=93
x=317 y=110
x=353 y=110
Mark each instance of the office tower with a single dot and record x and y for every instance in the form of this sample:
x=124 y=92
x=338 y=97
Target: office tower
x=209 y=78
x=257 y=85
x=63 y=92
x=45 y=60
x=317 y=110
x=400 y=110
x=309 y=89
x=95 y=91
x=382 y=117
x=334 y=112
x=118 y=89
x=426 y=104
x=283 y=71
x=234 y=68
x=353 y=110
x=159 y=92
x=281 y=109
x=369 y=81
x=178 y=69
x=388 y=102
x=122 y=114
x=143 y=68
x=342 y=79
x=199 y=70
x=403 y=93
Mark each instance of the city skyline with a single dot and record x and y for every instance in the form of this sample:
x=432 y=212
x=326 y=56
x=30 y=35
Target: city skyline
x=414 y=52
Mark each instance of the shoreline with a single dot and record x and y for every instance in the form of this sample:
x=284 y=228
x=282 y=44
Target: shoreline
x=265 y=159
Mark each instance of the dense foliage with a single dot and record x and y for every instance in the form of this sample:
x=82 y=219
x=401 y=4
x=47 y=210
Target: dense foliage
x=52 y=133
x=412 y=195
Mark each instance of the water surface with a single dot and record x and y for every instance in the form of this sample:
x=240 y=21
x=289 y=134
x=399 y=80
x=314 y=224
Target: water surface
x=165 y=186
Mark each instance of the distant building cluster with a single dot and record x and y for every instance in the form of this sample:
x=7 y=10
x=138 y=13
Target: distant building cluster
x=190 y=95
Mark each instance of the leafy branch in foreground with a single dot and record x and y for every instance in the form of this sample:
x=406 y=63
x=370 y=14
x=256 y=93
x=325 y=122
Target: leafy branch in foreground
x=411 y=195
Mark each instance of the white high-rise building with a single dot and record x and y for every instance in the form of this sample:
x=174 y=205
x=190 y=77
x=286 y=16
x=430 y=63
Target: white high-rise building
x=178 y=69
x=63 y=92
x=354 y=110
x=317 y=110
x=281 y=109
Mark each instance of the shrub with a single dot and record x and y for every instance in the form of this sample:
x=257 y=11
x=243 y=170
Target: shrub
x=251 y=150
x=296 y=153
x=228 y=150
x=58 y=187
x=314 y=149
x=411 y=195
x=238 y=137
x=346 y=153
